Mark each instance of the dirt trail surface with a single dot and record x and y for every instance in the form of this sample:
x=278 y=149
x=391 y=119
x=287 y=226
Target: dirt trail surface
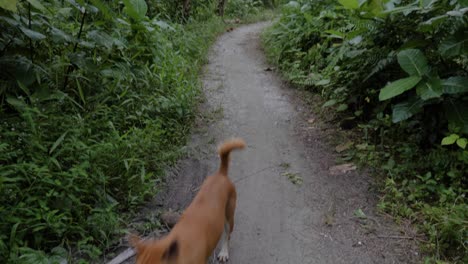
x=290 y=208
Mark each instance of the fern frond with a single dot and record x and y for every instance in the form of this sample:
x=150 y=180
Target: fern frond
x=366 y=24
x=381 y=64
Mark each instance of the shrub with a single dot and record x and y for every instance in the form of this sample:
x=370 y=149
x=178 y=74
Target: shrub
x=398 y=71
x=96 y=98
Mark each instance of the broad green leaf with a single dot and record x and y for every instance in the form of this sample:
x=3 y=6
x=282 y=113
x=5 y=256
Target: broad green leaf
x=432 y=23
x=427 y=3
x=375 y=7
x=58 y=36
x=457 y=114
x=78 y=5
x=455 y=13
x=36 y=4
x=323 y=82
x=413 y=62
x=10 y=21
x=24 y=69
x=349 y=4
x=402 y=9
x=293 y=4
x=19 y=105
x=101 y=38
x=136 y=9
x=355 y=40
x=162 y=24
x=415 y=43
x=329 y=103
x=103 y=7
x=398 y=87
x=455 y=85
x=455 y=45
x=82 y=61
x=9 y=5
x=462 y=142
x=450 y=139
x=34 y=35
x=66 y=12
x=342 y=107
x=405 y=110
x=429 y=89
x=91 y=9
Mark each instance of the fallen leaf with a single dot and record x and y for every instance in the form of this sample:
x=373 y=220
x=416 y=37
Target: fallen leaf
x=362 y=146
x=343 y=147
x=360 y=214
x=342 y=169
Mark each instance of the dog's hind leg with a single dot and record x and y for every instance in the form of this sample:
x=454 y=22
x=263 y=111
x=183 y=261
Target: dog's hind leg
x=223 y=255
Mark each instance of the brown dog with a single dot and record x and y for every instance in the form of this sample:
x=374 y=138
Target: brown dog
x=195 y=236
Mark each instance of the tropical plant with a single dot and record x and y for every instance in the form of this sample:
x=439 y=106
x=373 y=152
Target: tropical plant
x=96 y=98
x=398 y=71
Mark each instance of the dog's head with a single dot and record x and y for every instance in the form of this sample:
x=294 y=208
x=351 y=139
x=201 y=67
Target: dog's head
x=163 y=251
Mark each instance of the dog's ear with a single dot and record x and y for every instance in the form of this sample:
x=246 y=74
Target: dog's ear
x=172 y=251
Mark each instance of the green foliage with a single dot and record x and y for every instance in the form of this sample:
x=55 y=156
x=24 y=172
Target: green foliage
x=95 y=101
x=398 y=87
x=201 y=10
x=241 y=8
x=454 y=138
x=349 y=4
x=413 y=62
x=454 y=45
x=8 y=5
x=136 y=9
x=399 y=71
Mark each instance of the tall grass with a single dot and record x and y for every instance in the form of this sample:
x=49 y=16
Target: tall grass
x=95 y=102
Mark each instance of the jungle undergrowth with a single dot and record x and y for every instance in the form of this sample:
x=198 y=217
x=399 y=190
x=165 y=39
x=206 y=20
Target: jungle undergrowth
x=393 y=74
x=96 y=102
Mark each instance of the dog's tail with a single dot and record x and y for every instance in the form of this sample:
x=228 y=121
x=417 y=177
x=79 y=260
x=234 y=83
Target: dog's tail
x=224 y=149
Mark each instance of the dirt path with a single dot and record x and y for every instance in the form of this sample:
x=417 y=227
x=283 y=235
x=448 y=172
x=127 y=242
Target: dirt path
x=278 y=221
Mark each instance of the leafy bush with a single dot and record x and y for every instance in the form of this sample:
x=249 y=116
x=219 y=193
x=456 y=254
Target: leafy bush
x=398 y=71
x=200 y=10
x=96 y=98
x=176 y=11
x=240 y=8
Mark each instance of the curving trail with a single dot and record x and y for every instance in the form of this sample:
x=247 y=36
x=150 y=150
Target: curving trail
x=278 y=221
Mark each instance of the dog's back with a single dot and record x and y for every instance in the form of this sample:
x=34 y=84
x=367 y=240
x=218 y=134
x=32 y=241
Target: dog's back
x=202 y=217
x=195 y=236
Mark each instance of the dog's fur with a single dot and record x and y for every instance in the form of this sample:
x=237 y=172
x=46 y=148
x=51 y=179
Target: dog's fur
x=195 y=236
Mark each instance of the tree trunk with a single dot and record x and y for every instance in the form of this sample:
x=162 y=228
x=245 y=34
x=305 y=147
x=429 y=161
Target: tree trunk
x=221 y=6
x=269 y=3
x=186 y=11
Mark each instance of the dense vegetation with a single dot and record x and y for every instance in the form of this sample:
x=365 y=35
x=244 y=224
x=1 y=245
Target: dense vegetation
x=398 y=71
x=96 y=98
